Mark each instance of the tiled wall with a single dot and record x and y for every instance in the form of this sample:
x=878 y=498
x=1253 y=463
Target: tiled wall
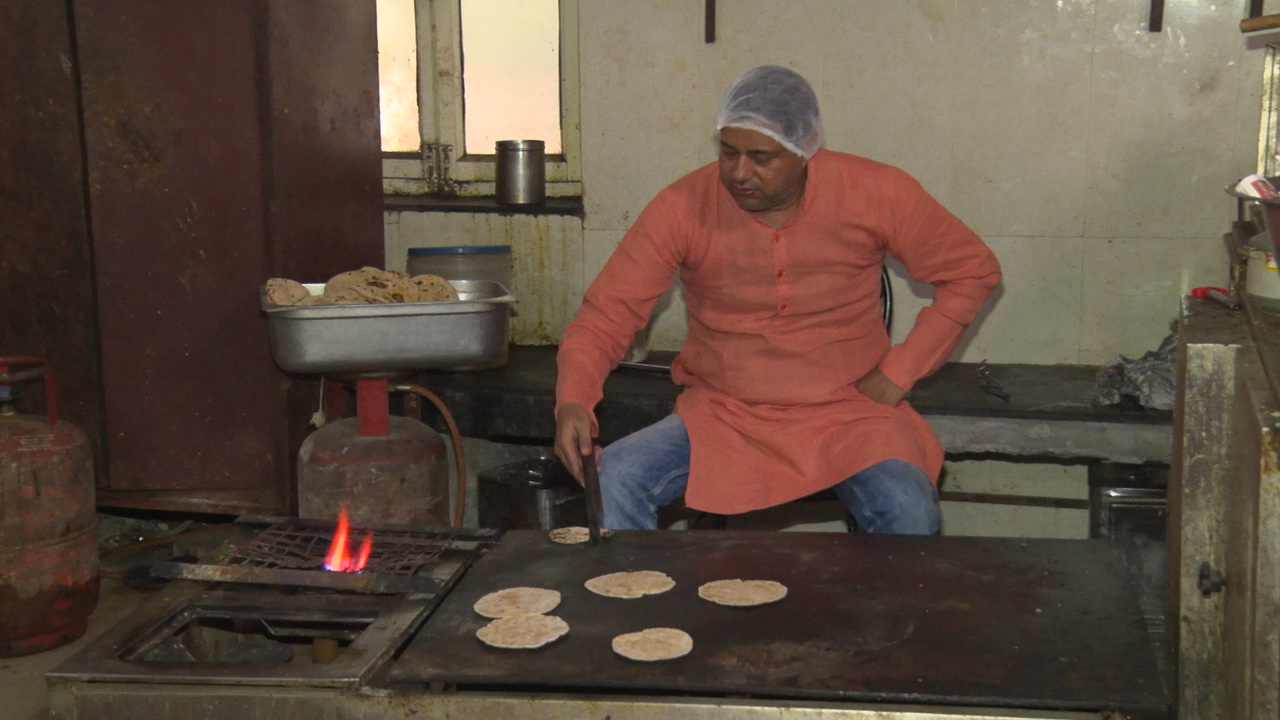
x=1090 y=153
x=546 y=253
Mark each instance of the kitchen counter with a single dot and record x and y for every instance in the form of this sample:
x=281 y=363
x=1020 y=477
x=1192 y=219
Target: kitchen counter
x=996 y=622
x=872 y=627
x=1051 y=412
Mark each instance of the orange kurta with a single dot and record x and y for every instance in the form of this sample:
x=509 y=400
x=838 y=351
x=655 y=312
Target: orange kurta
x=783 y=323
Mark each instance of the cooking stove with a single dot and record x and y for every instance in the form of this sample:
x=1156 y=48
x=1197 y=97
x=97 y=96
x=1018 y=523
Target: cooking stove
x=873 y=627
x=268 y=614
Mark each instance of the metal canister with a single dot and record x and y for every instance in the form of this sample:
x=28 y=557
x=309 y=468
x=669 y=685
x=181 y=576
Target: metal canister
x=383 y=469
x=48 y=520
x=521 y=172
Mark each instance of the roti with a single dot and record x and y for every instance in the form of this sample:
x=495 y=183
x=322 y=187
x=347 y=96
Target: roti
x=653 y=644
x=433 y=288
x=574 y=535
x=371 y=285
x=742 y=593
x=314 y=300
x=517 y=601
x=283 y=291
x=631 y=584
x=522 y=632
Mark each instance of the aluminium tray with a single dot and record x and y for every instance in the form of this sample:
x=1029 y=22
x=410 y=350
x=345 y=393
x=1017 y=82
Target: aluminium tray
x=470 y=334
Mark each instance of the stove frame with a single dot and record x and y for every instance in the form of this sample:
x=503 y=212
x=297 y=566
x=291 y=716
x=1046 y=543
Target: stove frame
x=72 y=701
x=271 y=572
x=373 y=678
x=116 y=656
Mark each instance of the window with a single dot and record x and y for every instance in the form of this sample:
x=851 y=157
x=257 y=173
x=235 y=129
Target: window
x=398 y=76
x=447 y=96
x=1269 y=138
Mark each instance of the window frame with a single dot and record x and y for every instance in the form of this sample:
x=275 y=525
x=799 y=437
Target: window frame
x=1269 y=135
x=440 y=111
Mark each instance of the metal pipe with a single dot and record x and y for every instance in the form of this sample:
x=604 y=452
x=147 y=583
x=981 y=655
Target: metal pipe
x=1265 y=22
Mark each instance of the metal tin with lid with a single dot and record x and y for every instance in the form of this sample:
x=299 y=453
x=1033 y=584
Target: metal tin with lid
x=521 y=172
x=476 y=262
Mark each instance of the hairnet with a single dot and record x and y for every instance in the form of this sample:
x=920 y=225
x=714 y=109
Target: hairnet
x=777 y=102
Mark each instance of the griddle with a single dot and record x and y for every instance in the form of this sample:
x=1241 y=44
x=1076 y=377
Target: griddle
x=1026 y=623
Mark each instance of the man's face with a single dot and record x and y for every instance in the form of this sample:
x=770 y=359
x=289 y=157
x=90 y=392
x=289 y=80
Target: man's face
x=760 y=174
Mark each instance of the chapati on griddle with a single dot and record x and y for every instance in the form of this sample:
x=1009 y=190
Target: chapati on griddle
x=659 y=643
x=631 y=584
x=742 y=593
x=517 y=601
x=574 y=535
x=523 y=632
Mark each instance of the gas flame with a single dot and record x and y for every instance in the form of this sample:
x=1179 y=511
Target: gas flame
x=339 y=557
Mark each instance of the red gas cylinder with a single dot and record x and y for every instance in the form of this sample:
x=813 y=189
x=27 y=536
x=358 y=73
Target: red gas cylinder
x=48 y=520
x=384 y=469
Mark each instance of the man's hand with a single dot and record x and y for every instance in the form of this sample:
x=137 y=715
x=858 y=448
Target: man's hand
x=877 y=386
x=573 y=439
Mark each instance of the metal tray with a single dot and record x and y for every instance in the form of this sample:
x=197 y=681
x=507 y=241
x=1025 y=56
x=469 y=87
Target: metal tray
x=469 y=334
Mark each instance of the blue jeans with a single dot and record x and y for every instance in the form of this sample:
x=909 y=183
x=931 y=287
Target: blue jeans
x=649 y=469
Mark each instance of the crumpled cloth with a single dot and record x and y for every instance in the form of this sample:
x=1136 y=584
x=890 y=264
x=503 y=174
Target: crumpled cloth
x=1151 y=381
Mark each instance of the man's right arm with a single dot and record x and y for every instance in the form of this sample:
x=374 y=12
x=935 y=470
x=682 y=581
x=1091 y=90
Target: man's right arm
x=616 y=305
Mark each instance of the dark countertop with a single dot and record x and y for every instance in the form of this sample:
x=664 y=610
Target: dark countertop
x=516 y=401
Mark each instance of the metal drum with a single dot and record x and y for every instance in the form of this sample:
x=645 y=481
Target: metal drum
x=48 y=520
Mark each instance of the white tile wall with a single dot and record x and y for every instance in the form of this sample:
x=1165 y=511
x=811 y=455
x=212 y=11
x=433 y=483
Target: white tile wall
x=1090 y=153
x=547 y=261
x=1132 y=289
x=1000 y=478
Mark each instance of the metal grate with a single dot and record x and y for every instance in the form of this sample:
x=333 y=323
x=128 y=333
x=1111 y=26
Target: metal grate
x=301 y=548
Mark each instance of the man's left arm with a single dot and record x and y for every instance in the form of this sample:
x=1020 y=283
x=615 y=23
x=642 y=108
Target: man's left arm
x=939 y=249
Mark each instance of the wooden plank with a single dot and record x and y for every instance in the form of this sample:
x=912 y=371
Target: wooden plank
x=46 y=266
x=1204 y=425
x=229 y=141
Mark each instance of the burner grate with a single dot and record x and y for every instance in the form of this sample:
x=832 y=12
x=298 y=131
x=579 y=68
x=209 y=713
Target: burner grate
x=302 y=548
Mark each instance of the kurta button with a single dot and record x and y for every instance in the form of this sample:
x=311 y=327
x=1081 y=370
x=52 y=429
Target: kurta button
x=777 y=238
x=781 y=273
x=783 y=306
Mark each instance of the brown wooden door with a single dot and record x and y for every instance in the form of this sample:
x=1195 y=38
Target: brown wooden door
x=224 y=142
x=47 y=306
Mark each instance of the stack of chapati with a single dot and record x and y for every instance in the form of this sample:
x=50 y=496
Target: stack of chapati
x=574 y=535
x=368 y=285
x=520 y=622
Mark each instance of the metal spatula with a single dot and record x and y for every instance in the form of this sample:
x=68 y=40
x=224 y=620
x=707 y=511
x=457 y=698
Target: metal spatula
x=595 y=504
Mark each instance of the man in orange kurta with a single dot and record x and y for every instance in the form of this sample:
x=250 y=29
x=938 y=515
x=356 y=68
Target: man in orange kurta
x=792 y=385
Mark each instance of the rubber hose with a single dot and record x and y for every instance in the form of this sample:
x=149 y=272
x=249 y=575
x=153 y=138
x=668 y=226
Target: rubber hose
x=459 y=456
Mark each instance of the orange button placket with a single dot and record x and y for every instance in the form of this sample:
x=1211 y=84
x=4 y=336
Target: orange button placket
x=782 y=285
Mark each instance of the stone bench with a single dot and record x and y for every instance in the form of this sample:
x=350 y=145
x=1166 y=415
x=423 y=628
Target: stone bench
x=1051 y=413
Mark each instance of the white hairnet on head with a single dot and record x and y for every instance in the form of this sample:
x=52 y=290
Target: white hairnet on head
x=777 y=102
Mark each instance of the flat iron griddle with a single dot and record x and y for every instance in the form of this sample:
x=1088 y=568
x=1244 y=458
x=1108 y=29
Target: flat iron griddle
x=967 y=621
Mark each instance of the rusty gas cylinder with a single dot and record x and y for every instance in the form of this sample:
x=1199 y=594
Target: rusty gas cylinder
x=48 y=520
x=384 y=469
